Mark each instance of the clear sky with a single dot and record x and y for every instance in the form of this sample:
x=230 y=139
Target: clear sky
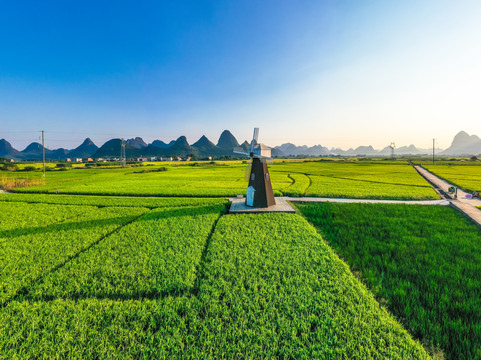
x=335 y=73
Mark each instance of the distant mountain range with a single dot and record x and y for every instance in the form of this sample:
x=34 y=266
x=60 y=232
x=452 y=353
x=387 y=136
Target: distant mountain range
x=463 y=144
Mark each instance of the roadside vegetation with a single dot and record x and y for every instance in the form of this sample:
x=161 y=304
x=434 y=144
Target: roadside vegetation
x=10 y=183
x=468 y=177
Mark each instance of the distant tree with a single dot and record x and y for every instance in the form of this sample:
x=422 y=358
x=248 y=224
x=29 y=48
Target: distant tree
x=63 y=165
x=9 y=167
x=473 y=158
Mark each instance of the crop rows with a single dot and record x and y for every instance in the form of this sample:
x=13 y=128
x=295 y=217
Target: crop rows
x=360 y=180
x=321 y=178
x=18 y=218
x=102 y=201
x=27 y=255
x=157 y=254
x=466 y=176
x=164 y=286
x=424 y=261
x=271 y=288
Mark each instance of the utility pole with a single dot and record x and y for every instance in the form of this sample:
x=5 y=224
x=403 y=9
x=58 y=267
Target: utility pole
x=122 y=154
x=43 y=151
x=392 y=146
x=434 y=140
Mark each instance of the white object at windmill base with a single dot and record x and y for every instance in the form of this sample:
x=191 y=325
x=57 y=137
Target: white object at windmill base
x=250 y=196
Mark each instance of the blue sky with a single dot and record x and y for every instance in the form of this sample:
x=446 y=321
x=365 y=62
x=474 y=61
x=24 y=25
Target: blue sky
x=336 y=73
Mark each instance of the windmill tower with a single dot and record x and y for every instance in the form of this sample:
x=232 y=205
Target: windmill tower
x=259 y=191
x=392 y=146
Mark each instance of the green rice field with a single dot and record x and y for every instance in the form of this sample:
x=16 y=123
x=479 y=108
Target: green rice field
x=129 y=263
x=467 y=177
x=116 y=279
x=422 y=262
x=353 y=179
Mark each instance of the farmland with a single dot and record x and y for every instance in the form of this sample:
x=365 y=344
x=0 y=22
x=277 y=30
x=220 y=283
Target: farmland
x=95 y=273
x=184 y=281
x=468 y=177
x=355 y=179
x=424 y=262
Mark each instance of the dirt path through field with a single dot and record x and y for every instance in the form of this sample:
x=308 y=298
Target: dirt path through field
x=463 y=204
x=444 y=186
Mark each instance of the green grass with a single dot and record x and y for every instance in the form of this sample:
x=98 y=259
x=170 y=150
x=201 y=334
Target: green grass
x=468 y=177
x=16 y=217
x=156 y=255
x=271 y=288
x=425 y=261
x=377 y=180
x=102 y=201
x=166 y=286
x=27 y=253
x=353 y=179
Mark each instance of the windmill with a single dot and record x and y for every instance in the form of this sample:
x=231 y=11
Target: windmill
x=259 y=190
x=392 y=146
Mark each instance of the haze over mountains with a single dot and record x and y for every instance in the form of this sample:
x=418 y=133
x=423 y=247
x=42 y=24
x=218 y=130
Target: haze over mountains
x=463 y=144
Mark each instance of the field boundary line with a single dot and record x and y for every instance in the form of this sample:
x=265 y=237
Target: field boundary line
x=371 y=181
x=31 y=230
x=373 y=201
x=125 y=195
x=24 y=290
x=291 y=184
x=308 y=186
x=200 y=268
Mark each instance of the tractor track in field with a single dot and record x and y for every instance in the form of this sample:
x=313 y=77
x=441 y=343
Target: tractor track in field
x=291 y=184
x=308 y=186
x=23 y=292
x=200 y=268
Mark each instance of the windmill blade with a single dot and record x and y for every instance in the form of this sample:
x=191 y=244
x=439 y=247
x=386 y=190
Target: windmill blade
x=240 y=151
x=248 y=171
x=251 y=149
x=256 y=135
